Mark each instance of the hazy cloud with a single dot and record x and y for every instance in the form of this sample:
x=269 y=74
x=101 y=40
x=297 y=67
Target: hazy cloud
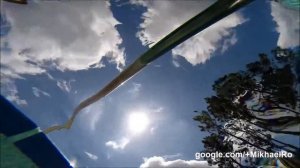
x=160 y=162
x=91 y=116
x=152 y=130
x=120 y=144
x=91 y=156
x=229 y=42
x=64 y=85
x=135 y=89
x=73 y=162
x=37 y=92
x=172 y=156
x=50 y=76
x=175 y=63
x=58 y=35
x=14 y=97
x=10 y=91
x=162 y=17
x=158 y=110
x=287 y=25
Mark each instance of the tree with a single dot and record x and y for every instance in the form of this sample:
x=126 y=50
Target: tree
x=223 y=135
x=273 y=83
x=235 y=115
x=215 y=142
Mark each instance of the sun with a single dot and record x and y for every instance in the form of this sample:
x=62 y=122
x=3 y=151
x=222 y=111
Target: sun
x=138 y=122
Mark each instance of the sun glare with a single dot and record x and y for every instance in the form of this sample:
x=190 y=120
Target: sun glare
x=138 y=122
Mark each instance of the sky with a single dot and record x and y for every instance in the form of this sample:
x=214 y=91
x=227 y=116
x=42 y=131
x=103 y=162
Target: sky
x=54 y=54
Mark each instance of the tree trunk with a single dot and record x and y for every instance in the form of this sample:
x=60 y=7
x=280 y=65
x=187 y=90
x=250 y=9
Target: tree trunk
x=258 y=147
x=277 y=146
x=278 y=120
x=275 y=131
x=280 y=107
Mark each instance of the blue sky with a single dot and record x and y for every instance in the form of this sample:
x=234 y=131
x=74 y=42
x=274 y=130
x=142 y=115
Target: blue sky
x=55 y=54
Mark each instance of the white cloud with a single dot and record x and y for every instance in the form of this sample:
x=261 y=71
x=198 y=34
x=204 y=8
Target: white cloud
x=287 y=25
x=91 y=156
x=162 y=17
x=160 y=162
x=64 y=85
x=120 y=144
x=58 y=35
x=10 y=91
x=37 y=92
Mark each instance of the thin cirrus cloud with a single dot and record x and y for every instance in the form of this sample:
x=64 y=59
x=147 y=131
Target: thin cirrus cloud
x=160 y=162
x=58 y=35
x=91 y=156
x=38 y=92
x=118 y=145
x=91 y=116
x=162 y=17
x=175 y=62
x=9 y=88
x=288 y=21
x=135 y=89
x=172 y=156
x=65 y=85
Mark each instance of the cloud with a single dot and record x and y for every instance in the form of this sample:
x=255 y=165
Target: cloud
x=64 y=85
x=287 y=25
x=175 y=63
x=152 y=130
x=58 y=35
x=50 y=76
x=136 y=87
x=37 y=92
x=73 y=162
x=91 y=156
x=162 y=17
x=91 y=116
x=160 y=162
x=10 y=91
x=121 y=144
x=158 y=110
x=94 y=118
x=229 y=42
x=172 y=156
x=14 y=97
